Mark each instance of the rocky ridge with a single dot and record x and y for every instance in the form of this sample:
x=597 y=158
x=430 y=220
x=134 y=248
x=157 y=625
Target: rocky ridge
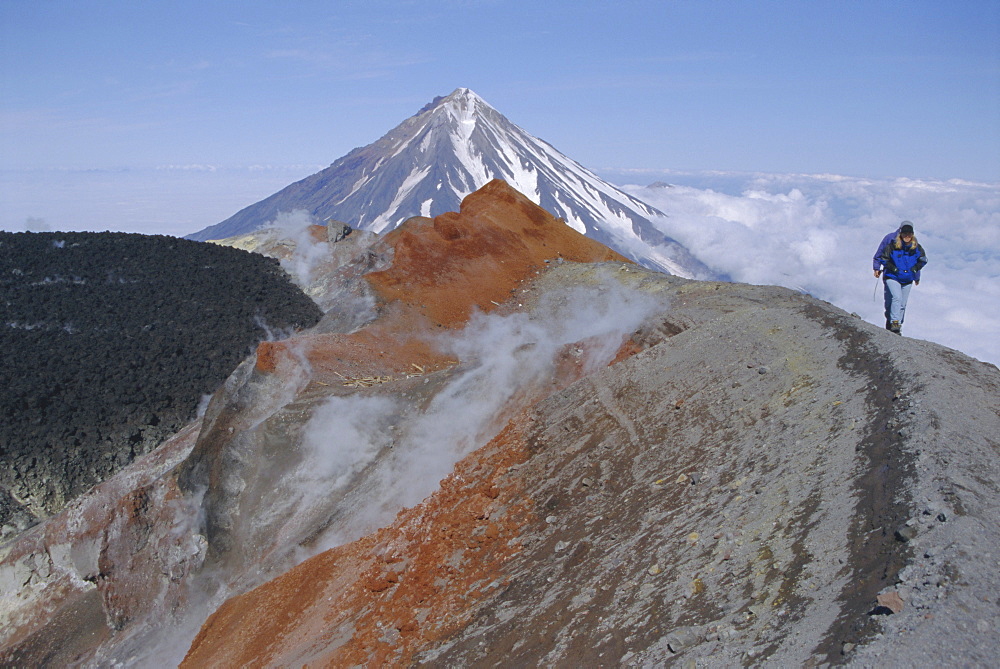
x=713 y=473
x=748 y=489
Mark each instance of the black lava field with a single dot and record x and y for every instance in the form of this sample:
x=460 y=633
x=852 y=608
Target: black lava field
x=109 y=342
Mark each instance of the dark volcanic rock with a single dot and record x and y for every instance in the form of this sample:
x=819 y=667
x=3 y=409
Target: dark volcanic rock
x=108 y=341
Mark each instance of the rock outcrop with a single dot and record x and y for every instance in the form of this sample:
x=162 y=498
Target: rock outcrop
x=633 y=468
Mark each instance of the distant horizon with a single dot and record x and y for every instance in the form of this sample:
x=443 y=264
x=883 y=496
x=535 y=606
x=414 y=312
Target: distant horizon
x=756 y=227
x=180 y=200
x=600 y=171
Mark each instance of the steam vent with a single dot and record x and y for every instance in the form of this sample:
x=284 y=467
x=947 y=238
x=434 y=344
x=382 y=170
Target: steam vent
x=504 y=444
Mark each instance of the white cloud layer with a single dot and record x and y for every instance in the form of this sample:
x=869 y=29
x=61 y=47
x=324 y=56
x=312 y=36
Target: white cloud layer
x=812 y=232
x=817 y=233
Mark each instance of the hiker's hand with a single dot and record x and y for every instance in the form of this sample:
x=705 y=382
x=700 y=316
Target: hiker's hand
x=916 y=283
x=878 y=273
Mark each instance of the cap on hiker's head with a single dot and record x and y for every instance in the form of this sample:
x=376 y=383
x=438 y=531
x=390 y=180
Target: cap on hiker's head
x=906 y=228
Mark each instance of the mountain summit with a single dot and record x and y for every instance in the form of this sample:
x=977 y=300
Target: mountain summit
x=455 y=145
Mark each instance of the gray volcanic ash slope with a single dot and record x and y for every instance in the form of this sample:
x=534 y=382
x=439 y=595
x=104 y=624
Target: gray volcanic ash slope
x=456 y=144
x=510 y=460
x=743 y=491
x=108 y=341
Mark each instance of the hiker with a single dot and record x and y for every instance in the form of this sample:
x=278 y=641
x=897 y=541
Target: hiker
x=898 y=261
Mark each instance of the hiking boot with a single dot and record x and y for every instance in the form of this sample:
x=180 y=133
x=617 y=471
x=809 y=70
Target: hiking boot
x=895 y=326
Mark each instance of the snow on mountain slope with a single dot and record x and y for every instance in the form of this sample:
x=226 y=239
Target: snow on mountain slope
x=456 y=144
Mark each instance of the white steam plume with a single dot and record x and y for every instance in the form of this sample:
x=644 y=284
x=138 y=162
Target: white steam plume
x=34 y=224
x=504 y=359
x=295 y=226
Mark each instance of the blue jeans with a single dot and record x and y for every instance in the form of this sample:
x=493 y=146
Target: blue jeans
x=896 y=294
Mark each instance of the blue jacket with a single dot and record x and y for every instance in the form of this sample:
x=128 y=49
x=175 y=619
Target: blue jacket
x=903 y=265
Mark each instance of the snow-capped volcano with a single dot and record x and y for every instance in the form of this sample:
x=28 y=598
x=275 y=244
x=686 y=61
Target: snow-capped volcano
x=427 y=164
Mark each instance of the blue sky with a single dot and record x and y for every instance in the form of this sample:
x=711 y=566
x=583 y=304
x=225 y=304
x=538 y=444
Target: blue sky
x=856 y=88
